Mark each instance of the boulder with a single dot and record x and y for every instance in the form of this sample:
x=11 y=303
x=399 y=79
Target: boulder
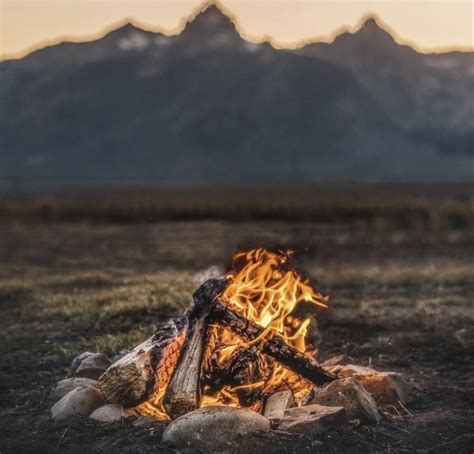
x=68 y=384
x=110 y=413
x=351 y=395
x=311 y=420
x=78 y=402
x=93 y=366
x=387 y=388
x=213 y=427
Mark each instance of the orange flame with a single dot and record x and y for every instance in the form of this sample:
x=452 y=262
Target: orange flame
x=266 y=290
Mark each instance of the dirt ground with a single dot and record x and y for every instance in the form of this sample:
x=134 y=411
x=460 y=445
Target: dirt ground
x=401 y=299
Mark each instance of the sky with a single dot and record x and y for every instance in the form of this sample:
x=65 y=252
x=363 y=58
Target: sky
x=435 y=25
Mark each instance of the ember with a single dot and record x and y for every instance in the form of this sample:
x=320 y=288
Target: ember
x=244 y=339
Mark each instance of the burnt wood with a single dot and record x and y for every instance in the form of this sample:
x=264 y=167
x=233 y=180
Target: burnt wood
x=131 y=379
x=183 y=392
x=275 y=347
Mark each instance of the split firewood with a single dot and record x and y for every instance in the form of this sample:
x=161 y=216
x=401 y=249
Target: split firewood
x=275 y=347
x=183 y=391
x=132 y=379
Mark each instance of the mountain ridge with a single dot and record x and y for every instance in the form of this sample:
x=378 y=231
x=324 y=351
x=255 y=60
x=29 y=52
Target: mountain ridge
x=208 y=106
x=371 y=19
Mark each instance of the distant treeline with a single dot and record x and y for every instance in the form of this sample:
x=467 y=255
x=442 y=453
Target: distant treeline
x=436 y=206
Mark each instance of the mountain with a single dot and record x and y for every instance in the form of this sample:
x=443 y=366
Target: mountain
x=429 y=94
x=206 y=106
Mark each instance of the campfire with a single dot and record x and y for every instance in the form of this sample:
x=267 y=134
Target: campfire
x=240 y=361
x=243 y=341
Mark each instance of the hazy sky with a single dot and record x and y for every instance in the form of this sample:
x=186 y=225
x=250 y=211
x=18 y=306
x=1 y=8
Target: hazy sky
x=431 y=25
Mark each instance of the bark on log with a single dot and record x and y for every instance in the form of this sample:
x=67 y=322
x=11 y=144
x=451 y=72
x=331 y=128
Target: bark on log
x=183 y=391
x=131 y=379
x=276 y=347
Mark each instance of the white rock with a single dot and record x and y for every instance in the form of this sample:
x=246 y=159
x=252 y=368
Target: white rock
x=93 y=366
x=351 y=395
x=311 y=420
x=213 y=427
x=67 y=385
x=78 y=402
x=110 y=413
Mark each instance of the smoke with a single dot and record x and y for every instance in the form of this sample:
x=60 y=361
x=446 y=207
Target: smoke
x=213 y=272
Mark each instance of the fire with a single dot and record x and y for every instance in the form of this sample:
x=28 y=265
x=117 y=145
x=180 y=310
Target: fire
x=266 y=291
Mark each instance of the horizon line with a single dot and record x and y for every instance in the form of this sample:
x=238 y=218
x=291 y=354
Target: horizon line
x=263 y=38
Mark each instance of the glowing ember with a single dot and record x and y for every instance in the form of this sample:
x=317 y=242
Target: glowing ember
x=266 y=291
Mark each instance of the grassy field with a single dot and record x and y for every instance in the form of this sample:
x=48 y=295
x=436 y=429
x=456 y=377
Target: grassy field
x=401 y=299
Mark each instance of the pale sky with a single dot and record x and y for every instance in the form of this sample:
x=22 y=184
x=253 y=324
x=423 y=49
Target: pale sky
x=429 y=25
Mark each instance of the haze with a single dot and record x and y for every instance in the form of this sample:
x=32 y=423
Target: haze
x=427 y=25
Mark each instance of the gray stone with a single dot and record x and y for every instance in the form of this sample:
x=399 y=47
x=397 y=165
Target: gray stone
x=110 y=413
x=311 y=420
x=78 y=360
x=93 y=366
x=78 y=402
x=68 y=384
x=387 y=388
x=213 y=427
x=351 y=395
x=337 y=360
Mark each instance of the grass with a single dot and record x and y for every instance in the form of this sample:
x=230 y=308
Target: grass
x=401 y=294
x=418 y=206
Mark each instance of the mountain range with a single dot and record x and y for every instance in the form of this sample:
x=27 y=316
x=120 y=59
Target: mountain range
x=208 y=107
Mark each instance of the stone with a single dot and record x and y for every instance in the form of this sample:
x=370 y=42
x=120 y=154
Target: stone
x=78 y=402
x=146 y=421
x=93 y=366
x=351 y=395
x=387 y=388
x=78 y=360
x=68 y=384
x=337 y=360
x=311 y=420
x=276 y=404
x=110 y=413
x=212 y=428
x=123 y=352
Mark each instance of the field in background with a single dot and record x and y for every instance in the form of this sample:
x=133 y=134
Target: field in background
x=424 y=205
x=88 y=274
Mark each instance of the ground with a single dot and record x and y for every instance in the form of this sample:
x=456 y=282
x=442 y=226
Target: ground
x=401 y=299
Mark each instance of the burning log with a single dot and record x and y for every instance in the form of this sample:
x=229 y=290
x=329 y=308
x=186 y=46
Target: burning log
x=183 y=391
x=132 y=379
x=275 y=347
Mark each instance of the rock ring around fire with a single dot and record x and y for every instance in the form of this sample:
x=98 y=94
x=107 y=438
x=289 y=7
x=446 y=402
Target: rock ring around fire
x=211 y=427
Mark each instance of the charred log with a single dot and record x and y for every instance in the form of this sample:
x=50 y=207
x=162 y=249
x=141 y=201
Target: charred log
x=183 y=391
x=276 y=347
x=132 y=379
x=243 y=368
